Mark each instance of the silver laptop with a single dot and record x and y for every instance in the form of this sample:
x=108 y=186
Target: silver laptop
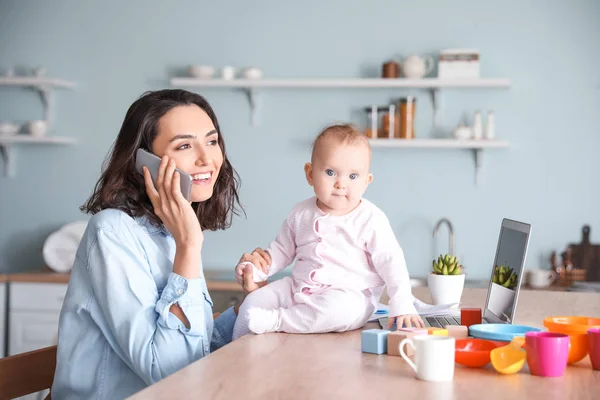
x=501 y=302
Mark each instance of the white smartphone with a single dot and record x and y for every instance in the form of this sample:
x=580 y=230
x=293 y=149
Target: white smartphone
x=152 y=162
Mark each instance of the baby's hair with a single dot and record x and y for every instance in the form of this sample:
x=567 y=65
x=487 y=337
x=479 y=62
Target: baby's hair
x=347 y=134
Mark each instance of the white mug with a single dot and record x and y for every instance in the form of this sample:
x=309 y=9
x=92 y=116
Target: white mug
x=539 y=278
x=228 y=73
x=434 y=357
x=37 y=128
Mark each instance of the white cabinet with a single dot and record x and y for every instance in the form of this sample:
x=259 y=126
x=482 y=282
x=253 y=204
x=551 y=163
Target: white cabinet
x=2 y=317
x=34 y=310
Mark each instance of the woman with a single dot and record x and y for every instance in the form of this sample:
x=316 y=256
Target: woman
x=137 y=308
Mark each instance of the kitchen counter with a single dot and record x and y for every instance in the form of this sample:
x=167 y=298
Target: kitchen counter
x=224 y=280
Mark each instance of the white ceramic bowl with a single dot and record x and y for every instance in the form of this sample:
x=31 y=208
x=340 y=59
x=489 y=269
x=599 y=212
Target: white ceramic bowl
x=252 y=73
x=201 y=71
x=8 y=128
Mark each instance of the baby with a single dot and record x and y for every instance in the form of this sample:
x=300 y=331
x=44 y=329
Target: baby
x=344 y=247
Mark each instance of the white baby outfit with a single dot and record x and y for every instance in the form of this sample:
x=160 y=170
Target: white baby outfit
x=342 y=264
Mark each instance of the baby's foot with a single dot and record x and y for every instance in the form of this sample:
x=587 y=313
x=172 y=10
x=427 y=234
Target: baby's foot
x=262 y=321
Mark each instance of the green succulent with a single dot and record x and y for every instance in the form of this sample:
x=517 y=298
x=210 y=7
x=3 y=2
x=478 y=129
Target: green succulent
x=505 y=276
x=446 y=265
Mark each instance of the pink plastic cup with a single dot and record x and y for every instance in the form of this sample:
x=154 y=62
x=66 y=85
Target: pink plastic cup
x=547 y=353
x=594 y=346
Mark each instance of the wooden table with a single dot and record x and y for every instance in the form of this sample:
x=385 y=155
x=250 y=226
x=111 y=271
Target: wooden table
x=332 y=366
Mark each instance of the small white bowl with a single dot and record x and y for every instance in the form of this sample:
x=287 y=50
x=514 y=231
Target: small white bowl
x=8 y=128
x=252 y=73
x=201 y=71
x=462 y=133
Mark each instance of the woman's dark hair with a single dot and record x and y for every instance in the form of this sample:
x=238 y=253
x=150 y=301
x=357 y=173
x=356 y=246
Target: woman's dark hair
x=120 y=186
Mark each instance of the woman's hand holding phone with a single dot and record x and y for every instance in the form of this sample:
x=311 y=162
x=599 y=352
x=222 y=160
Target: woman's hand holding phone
x=178 y=216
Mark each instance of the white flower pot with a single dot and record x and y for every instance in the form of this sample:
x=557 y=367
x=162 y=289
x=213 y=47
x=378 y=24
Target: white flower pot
x=501 y=300
x=445 y=289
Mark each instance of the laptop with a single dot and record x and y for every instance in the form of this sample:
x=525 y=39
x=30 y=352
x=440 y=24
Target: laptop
x=501 y=303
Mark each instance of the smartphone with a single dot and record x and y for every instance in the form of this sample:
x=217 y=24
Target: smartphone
x=152 y=162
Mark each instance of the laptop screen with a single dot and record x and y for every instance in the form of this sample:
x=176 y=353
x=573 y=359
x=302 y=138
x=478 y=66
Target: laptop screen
x=508 y=270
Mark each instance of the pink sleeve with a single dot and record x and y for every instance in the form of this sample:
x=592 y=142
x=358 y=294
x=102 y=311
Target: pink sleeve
x=283 y=249
x=388 y=259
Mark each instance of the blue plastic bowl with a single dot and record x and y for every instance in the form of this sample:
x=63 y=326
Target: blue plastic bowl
x=502 y=332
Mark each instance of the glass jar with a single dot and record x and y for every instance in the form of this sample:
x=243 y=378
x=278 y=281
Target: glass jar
x=406 y=117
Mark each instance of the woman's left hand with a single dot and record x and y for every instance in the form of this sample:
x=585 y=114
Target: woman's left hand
x=408 y=321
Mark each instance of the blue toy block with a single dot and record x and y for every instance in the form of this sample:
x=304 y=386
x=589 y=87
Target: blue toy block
x=374 y=341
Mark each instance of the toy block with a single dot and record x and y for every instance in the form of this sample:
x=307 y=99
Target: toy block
x=457 y=331
x=439 y=332
x=374 y=341
x=395 y=337
x=470 y=316
x=432 y=329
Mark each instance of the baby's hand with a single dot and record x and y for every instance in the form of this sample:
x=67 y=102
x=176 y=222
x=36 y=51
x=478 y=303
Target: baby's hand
x=259 y=258
x=408 y=321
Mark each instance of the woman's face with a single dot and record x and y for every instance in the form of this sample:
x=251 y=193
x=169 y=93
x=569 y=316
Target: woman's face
x=187 y=135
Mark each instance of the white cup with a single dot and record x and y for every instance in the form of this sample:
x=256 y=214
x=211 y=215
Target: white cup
x=228 y=73
x=434 y=357
x=37 y=128
x=540 y=278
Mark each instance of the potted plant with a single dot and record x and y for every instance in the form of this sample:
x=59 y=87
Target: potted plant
x=446 y=281
x=502 y=292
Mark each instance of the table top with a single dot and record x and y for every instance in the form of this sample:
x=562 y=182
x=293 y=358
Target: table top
x=327 y=366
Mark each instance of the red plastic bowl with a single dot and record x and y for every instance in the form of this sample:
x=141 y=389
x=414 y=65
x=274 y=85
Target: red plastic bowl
x=472 y=352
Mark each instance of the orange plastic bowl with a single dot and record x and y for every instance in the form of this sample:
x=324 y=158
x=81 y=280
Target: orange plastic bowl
x=571 y=324
x=472 y=352
x=576 y=328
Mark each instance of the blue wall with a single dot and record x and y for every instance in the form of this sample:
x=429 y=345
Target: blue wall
x=116 y=50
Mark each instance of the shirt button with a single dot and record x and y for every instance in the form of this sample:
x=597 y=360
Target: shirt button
x=180 y=291
x=320 y=265
x=320 y=240
x=206 y=349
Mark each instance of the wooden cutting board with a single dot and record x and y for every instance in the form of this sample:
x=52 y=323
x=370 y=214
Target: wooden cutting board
x=586 y=255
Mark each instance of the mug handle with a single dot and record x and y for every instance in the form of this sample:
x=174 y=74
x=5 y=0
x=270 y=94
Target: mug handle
x=552 y=276
x=428 y=64
x=407 y=342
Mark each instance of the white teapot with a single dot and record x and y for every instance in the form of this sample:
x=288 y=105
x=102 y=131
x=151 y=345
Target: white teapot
x=417 y=67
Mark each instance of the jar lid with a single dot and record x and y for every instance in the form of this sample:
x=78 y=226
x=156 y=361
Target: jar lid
x=408 y=99
x=378 y=108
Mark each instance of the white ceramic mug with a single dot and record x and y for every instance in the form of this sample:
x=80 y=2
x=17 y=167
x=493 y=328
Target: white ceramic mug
x=37 y=128
x=540 y=278
x=228 y=73
x=434 y=357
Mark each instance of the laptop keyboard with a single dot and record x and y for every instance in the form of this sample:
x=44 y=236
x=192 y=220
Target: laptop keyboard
x=440 y=322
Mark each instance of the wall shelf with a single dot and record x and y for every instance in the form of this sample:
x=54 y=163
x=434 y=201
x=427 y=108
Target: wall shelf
x=477 y=146
x=6 y=143
x=44 y=86
x=440 y=143
x=35 y=81
x=425 y=83
x=434 y=85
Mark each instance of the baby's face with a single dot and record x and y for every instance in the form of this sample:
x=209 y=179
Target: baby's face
x=340 y=175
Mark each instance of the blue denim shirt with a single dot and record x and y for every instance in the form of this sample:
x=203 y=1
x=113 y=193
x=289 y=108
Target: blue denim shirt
x=116 y=334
